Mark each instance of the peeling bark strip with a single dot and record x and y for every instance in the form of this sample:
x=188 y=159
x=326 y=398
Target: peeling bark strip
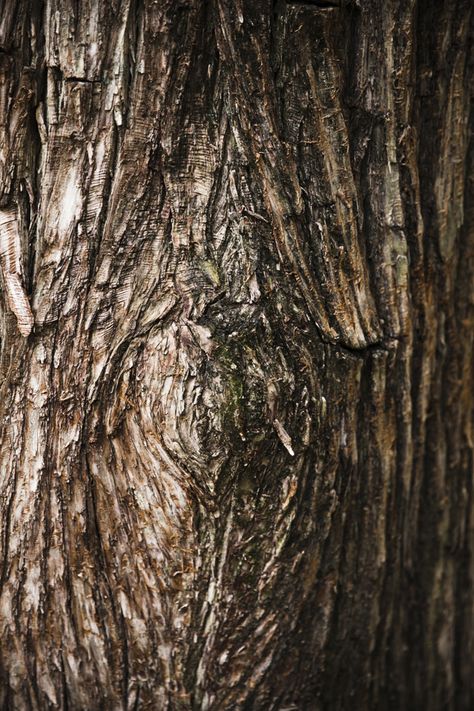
x=10 y=260
x=236 y=451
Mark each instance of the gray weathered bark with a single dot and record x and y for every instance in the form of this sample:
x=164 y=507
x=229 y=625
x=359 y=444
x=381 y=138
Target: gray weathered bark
x=237 y=253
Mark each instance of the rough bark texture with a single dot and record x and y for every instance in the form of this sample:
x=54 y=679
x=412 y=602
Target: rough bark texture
x=237 y=441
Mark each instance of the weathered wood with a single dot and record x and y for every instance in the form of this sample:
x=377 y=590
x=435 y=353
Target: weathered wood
x=237 y=444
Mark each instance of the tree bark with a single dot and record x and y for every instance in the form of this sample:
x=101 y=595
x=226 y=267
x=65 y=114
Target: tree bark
x=237 y=392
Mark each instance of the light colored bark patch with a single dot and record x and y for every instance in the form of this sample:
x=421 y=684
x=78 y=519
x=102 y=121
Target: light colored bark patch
x=10 y=260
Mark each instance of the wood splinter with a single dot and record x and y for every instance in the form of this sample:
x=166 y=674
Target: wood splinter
x=11 y=266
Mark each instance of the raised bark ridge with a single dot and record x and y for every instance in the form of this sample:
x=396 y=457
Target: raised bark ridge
x=237 y=447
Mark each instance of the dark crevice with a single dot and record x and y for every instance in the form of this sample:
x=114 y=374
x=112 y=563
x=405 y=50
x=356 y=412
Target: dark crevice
x=382 y=346
x=82 y=80
x=321 y=4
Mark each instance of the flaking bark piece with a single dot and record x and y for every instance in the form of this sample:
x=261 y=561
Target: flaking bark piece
x=10 y=261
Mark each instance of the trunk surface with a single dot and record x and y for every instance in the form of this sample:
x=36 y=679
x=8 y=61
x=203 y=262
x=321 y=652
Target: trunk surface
x=236 y=405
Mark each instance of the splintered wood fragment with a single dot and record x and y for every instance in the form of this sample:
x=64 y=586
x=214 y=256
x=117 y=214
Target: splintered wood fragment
x=10 y=262
x=284 y=437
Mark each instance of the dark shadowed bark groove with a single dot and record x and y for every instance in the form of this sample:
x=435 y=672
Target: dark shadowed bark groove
x=237 y=441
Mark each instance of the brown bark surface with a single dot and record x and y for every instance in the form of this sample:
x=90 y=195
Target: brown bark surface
x=237 y=324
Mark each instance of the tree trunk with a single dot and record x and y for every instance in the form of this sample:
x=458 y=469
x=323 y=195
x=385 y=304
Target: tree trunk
x=237 y=397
